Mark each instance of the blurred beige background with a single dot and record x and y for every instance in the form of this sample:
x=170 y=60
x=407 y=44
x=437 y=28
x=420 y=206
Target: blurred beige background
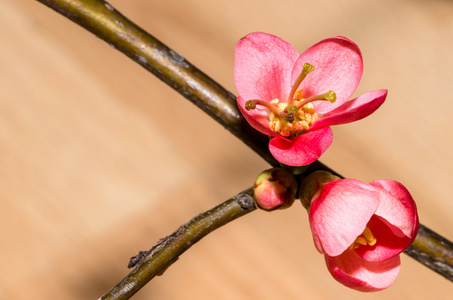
x=92 y=170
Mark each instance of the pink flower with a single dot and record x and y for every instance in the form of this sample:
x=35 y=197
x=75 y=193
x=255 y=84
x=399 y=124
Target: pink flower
x=296 y=98
x=361 y=229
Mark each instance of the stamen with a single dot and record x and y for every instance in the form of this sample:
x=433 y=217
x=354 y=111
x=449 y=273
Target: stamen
x=307 y=68
x=297 y=115
x=369 y=236
x=274 y=102
x=361 y=240
x=304 y=125
x=314 y=118
x=329 y=96
x=366 y=238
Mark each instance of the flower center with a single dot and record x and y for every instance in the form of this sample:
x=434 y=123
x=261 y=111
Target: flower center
x=366 y=238
x=297 y=114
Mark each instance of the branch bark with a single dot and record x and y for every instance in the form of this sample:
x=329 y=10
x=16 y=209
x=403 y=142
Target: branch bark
x=154 y=262
x=104 y=21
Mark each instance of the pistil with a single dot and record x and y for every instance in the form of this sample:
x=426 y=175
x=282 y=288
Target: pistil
x=251 y=104
x=297 y=115
x=307 y=68
x=329 y=96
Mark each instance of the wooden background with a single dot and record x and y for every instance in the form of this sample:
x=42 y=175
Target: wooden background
x=99 y=159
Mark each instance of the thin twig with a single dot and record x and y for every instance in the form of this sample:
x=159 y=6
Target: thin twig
x=104 y=21
x=434 y=251
x=155 y=261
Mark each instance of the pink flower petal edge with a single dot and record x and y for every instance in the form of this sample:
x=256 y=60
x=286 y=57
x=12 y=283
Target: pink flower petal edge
x=340 y=214
x=352 y=271
x=353 y=110
x=338 y=67
x=395 y=224
x=262 y=67
x=257 y=118
x=407 y=224
x=303 y=149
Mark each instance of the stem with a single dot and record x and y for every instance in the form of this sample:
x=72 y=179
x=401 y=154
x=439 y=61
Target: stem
x=155 y=261
x=103 y=20
x=434 y=251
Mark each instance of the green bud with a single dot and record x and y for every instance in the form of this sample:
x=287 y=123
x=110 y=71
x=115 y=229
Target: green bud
x=312 y=185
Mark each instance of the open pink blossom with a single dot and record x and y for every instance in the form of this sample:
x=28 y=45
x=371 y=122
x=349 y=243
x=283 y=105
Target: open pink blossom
x=361 y=229
x=296 y=98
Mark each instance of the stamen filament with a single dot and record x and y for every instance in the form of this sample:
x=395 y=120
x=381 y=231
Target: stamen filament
x=251 y=104
x=329 y=96
x=307 y=68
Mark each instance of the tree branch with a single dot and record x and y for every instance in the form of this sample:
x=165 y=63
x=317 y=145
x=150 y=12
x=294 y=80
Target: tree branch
x=107 y=23
x=104 y=21
x=434 y=251
x=154 y=262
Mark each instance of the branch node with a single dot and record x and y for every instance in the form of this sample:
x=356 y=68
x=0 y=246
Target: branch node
x=135 y=260
x=246 y=201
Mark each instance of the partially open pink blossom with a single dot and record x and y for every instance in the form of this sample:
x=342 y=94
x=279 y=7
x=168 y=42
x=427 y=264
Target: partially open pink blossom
x=296 y=98
x=361 y=229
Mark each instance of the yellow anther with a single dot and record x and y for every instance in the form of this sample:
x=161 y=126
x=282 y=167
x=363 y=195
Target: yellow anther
x=361 y=240
x=298 y=95
x=271 y=117
x=274 y=102
x=278 y=125
x=369 y=236
x=366 y=238
x=282 y=105
x=315 y=118
x=285 y=133
x=290 y=121
x=304 y=125
x=310 y=107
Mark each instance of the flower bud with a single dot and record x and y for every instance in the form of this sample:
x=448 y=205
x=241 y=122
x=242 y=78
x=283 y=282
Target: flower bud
x=312 y=184
x=275 y=189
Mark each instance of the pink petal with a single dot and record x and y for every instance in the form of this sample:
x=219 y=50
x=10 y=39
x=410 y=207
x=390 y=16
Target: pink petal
x=303 y=149
x=340 y=214
x=262 y=67
x=352 y=271
x=257 y=118
x=397 y=206
x=338 y=67
x=390 y=241
x=353 y=110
